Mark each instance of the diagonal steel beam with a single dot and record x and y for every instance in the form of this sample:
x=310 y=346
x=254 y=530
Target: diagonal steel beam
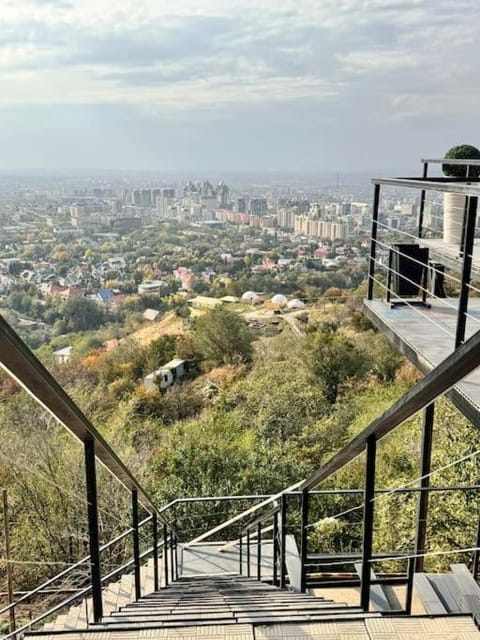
x=446 y=375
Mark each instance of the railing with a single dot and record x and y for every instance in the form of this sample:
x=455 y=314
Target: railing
x=21 y=364
x=79 y=593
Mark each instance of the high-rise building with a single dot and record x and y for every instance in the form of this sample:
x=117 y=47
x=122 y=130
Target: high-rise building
x=242 y=205
x=258 y=206
x=223 y=193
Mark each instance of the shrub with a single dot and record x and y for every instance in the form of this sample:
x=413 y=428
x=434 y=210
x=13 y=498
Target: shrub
x=460 y=152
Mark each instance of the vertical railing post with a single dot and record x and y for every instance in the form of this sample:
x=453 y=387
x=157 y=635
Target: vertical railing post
x=425 y=467
x=93 y=537
x=422 y=202
x=409 y=592
x=156 y=584
x=373 y=241
x=476 y=553
x=368 y=512
x=165 y=553
x=259 y=551
x=172 y=558
x=176 y=553
x=136 y=545
x=468 y=239
x=283 y=538
x=304 y=540
x=248 y=553
x=6 y=528
x=275 y=549
x=240 y=553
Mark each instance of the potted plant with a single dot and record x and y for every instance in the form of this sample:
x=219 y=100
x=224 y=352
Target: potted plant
x=454 y=203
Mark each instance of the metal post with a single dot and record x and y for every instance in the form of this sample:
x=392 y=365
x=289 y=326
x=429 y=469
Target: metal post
x=248 y=553
x=6 y=528
x=259 y=551
x=156 y=584
x=240 y=552
x=175 y=539
x=136 y=545
x=368 y=510
x=422 y=202
x=422 y=509
x=165 y=553
x=471 y=211
x=476 y=554
x=172 y=563
x=283 y=537
x=275 y=549
x=373 y=241
x=304 y=541
x=409 y=593
x=93 y=537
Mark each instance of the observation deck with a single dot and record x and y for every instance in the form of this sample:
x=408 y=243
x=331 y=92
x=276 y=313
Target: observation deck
x=424 y=279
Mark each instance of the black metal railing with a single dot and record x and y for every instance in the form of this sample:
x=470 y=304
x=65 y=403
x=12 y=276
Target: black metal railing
x=21 y=364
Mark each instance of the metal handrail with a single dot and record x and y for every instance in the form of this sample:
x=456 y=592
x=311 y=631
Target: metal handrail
x=68 y=570
x=458 y=161
x=78 y=594
x=462 y=186
x=464 y=360
x=20 y=363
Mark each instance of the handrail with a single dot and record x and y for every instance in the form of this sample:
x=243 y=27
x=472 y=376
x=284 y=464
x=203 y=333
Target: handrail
x=68 y=570
x=72 y=598
x=242 y=515
x=462 y=186
x=17 y=359
x=464 y=360
x=458 y=161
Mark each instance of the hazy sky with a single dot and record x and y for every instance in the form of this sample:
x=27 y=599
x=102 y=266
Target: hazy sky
x=236 y=84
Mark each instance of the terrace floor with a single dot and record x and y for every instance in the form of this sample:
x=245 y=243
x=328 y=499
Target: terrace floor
x=427 y=336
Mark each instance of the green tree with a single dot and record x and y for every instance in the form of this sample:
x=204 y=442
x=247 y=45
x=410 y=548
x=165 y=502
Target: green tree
x=333 y=359
x=222 y=337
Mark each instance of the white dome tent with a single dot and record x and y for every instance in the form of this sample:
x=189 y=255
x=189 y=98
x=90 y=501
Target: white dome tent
x=296 y=303
x=249 y=297
x=280 y=300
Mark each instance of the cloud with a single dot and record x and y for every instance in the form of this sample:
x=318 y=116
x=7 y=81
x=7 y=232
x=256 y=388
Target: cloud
x=363 y=63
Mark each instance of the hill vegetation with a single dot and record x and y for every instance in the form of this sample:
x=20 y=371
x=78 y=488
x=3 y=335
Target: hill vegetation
x=256 y=417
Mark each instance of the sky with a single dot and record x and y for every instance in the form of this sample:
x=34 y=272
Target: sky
x=238 y=85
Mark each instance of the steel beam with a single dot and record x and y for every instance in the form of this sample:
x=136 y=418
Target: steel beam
x=283 y=539
x=20 y=363
x=425 y=467
x=468 y=240
x=136 y=545
x=446 y=375
x=304 y=541
x=368 y=512
x=93 y=537
x=275 y=549
x=373 y=241
x=240 y=553
x=422 y=202
x=165 y=553
x=156 y=583
x=248 y=553
x=259 y=551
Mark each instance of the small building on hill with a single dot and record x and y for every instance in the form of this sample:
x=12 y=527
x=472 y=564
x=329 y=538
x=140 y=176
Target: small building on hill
x=166 y=376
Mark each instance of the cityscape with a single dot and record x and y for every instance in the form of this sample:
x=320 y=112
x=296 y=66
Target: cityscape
x=239 y=320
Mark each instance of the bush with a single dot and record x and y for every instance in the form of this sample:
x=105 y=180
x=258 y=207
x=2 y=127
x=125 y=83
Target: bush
x=460 y=152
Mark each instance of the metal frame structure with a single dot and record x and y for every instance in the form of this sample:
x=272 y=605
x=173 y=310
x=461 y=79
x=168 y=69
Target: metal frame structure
x=22 y=365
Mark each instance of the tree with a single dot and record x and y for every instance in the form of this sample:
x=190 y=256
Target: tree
x=82 y=314
x=333 y=359
x=222 y=337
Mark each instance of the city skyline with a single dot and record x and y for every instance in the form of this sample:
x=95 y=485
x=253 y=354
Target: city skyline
x=287 y=86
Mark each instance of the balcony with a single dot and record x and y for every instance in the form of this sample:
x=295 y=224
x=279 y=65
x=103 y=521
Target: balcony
x=424 y=276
